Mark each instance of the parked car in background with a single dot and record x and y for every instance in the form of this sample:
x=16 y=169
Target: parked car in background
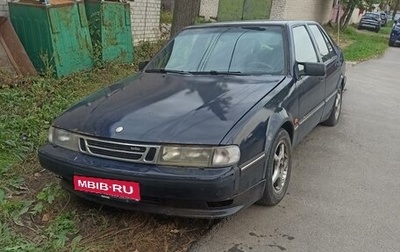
x=206 y=128
x=384 y=18
x=370 y=21
x=394 y=38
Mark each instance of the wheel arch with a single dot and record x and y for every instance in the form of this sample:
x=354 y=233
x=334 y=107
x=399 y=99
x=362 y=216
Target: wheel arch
x=277 y=121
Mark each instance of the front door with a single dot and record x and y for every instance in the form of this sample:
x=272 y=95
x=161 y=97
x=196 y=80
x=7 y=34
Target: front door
x=310 y=89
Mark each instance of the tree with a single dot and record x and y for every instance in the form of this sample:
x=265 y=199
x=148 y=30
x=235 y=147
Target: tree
x=185 y=13
x=396 y=6
x=349 y=7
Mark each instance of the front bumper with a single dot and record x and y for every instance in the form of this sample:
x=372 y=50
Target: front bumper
x=188 y=192
x=395 y=38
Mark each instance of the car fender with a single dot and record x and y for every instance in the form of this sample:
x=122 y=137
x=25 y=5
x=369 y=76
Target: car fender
x=280 y=119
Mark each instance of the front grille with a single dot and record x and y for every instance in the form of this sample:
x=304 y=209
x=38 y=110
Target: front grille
x=119 y=150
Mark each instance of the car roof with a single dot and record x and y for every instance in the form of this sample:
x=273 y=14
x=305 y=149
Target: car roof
x=252 y=23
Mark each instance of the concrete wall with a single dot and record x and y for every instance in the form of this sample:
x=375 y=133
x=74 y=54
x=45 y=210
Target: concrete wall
x=3 y=8
x=209 y=8
x=145 y=16
x=317 y=10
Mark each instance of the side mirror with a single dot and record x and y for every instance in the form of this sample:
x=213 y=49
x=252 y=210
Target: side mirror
x=311 y=69
x=143 y=64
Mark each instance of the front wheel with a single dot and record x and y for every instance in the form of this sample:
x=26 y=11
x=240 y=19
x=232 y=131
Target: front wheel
x=336 y=110
x=278 y=170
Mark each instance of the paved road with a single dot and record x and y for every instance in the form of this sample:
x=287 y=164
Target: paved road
x=345 y=187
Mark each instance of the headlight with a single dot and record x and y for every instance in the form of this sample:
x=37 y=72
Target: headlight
x=199 y=156
x=63 y=139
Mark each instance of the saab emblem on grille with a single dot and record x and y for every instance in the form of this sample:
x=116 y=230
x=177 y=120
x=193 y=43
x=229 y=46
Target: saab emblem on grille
x=119 y=129
x=134 y=148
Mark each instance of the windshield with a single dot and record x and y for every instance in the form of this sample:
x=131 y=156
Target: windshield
x=372 y=15
x=246 y=50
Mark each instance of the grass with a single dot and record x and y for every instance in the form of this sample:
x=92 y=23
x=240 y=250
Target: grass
x=360 y=45
x=386 y=30
x=36 y=214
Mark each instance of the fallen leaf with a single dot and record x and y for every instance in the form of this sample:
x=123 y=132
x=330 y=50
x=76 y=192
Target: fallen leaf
x=45 y=218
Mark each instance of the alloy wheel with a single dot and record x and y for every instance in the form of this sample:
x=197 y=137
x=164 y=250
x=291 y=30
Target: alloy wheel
x=280 y=167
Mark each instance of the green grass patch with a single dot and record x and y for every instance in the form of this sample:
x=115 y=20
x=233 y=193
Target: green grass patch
x=360 y=45
x=386 y=30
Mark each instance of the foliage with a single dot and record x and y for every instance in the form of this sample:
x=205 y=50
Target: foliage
x=386 y=30
x=166 y=17
x=360 y=45
x=349 y=6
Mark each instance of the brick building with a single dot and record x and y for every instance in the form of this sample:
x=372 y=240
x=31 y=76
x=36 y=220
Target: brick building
x=145 y=17
x=3 y=8
x=318 y=10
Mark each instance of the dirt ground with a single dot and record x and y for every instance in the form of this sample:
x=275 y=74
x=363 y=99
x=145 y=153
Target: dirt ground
x=106 y=228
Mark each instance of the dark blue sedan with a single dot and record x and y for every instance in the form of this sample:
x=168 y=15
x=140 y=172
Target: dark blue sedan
x=394 y=39
x=206 y=128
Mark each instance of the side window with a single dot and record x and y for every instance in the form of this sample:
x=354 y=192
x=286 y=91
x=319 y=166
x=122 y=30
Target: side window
x=303 y=46
x=325 y=47
x=329 y=43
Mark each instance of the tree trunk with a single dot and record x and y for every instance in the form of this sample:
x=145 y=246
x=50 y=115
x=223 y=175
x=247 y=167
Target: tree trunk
x=396 y=6
x=344 y=16
x=185 y=13
x=347 y=20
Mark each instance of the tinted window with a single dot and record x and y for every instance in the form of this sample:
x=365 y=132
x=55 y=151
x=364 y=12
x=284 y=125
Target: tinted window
x=323 y=43
x=224 y=49
x=303 y=46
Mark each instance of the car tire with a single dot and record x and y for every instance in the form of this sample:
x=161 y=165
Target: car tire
x=334 y=117
x=279 y=166
x=391 y=43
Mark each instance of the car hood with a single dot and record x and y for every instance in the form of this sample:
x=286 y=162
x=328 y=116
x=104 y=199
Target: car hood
x=168 y=108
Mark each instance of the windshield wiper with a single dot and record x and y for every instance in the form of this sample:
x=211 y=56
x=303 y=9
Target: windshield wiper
x=161 y=70
x=213 y=72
